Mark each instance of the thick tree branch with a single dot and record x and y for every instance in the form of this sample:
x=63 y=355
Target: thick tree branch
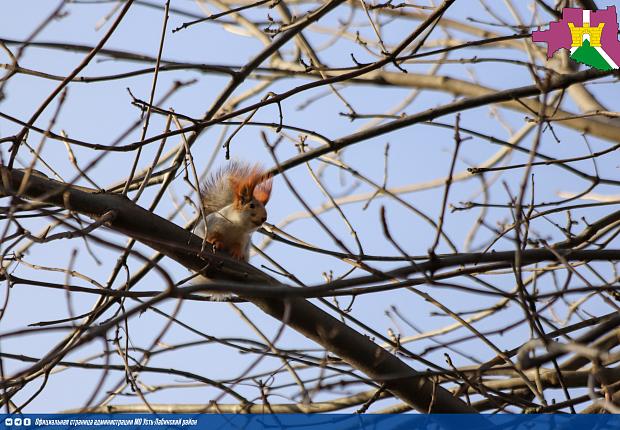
x=185 y=248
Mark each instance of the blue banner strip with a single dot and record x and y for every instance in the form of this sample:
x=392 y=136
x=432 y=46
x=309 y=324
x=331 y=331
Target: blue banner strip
x=303 y=422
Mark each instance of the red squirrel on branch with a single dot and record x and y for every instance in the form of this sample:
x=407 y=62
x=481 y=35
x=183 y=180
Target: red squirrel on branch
x=234 y=200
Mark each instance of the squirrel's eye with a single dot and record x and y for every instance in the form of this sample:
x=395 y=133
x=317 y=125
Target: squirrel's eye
x=252 y=205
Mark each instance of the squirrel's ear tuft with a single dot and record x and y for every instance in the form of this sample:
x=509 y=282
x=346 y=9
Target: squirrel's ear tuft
x=244 y=189
x=250 y=182
x=262 y=192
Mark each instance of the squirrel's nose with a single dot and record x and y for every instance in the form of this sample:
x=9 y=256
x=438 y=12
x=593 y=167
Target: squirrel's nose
x=263 y=219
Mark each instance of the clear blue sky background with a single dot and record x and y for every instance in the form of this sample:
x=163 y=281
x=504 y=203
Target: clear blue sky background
x=100 y=112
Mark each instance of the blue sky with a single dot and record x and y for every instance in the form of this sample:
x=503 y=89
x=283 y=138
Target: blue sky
x=99 y=112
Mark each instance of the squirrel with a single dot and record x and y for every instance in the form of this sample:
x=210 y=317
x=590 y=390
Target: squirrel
x=234 y=199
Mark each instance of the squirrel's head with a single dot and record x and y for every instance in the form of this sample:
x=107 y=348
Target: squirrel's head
x=251 y=195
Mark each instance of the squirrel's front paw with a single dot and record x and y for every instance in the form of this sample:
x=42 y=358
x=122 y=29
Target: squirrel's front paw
x=217 y=245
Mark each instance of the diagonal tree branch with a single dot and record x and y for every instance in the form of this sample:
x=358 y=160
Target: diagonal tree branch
x=509 y=95
x=185 y=248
